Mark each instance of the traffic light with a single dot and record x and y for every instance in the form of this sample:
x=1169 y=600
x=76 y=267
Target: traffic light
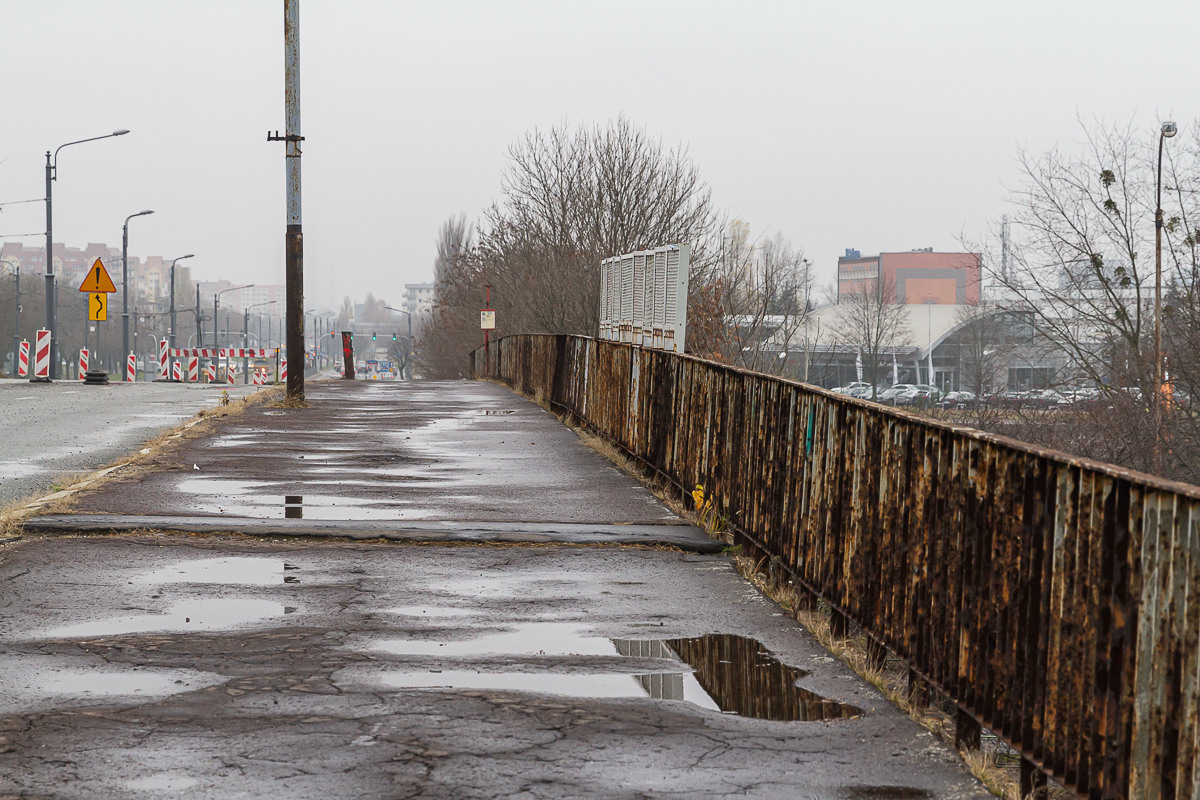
x=393 y=337
x=372 y=336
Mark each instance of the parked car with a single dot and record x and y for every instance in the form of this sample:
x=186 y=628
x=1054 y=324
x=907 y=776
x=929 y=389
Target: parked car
x=927 y=395
x=855 y=389
x=959 y=400
x=902 y=394
x=1042 y=399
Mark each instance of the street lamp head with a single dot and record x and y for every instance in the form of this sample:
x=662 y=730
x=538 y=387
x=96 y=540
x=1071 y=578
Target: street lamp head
x=144 y=213
x=121 y=132
x=1169 y=129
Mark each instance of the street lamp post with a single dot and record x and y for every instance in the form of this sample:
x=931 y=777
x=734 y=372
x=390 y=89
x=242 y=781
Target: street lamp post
x=408 y=354
x=125 y=281
x=172 y=334
x=51 y=299
x=16 y=315
x=245 y=337
x=217 y=317
x=1168 y=130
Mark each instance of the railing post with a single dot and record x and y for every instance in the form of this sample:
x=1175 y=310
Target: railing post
x=1033 y=780
x=967 y=731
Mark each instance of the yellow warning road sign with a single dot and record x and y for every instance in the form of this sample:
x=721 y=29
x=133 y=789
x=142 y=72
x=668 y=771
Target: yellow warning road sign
x=97 y=280
x=98 y=306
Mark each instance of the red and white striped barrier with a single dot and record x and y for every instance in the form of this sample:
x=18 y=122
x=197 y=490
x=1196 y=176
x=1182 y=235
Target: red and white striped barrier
x=229 y=372
x=283 y=370
x=194 y=369
x=83 y=363
x=212 y=373
x=23 y=360
x=41 y=357
x=176 y=370
x=260 y=377
x=131 y=368
x=219 y=352
x=163 y=363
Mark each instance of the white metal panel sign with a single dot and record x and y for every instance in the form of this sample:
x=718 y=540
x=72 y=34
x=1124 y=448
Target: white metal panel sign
x=643 y=297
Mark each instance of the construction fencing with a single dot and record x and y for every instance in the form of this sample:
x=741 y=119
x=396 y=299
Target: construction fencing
x=1055 y=600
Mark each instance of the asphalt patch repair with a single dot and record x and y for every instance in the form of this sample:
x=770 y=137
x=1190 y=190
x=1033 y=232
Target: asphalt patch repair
x=210 y=665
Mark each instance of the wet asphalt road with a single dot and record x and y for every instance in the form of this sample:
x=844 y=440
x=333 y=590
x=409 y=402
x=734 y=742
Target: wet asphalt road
x=225 y=665
x=425 y=450
x=169 y=666
x=64 y=427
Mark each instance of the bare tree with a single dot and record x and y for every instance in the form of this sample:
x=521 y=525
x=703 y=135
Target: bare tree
x=983 y=348
x=871 y=321
x=1082 y=272
x=570 y=198
x=752 y=299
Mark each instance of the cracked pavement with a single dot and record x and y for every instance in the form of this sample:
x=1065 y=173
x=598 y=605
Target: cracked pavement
x=227 y=665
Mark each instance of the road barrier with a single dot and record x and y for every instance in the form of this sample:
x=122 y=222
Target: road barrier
x=193 y=369
x=131 y=368
x=211 y=373
x=83 y=363
x=23 y=359
x=164 y=365
x=1056 y=600
x=41 y=356
x=176 y=371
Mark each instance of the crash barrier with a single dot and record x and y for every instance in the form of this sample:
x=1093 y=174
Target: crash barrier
x=1055 y=600
x=23 y=359
x=194 y=354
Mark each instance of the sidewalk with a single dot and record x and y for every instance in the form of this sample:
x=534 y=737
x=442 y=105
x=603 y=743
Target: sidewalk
x=219 y=663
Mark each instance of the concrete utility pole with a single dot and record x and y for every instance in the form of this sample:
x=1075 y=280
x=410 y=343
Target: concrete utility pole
x=294 y=243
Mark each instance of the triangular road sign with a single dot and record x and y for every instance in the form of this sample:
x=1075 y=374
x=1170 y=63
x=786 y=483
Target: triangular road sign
x=97 y=280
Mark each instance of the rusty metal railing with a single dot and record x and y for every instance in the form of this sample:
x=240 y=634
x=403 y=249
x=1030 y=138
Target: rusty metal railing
x=1055 y=600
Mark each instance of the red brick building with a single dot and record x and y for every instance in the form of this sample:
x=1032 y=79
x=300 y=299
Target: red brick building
x=914 y=278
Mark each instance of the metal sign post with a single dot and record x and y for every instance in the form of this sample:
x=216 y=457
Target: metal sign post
x=487 y=321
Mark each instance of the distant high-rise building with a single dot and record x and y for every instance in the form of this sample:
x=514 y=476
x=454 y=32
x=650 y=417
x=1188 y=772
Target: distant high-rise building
x=418 y=298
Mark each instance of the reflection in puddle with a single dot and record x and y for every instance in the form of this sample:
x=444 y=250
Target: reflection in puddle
x=532 y=638
x=293 y=506
x=189 y=615
x=250 y=499
x=733 y=674
x=235 y=570
x=431 y=611
x=745 y=679
x=680 y=686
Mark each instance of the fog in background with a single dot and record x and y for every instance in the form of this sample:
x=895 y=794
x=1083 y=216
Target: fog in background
x=878 y=126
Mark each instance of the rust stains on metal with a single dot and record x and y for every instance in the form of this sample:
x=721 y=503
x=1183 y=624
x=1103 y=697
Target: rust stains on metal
x=1054 y=599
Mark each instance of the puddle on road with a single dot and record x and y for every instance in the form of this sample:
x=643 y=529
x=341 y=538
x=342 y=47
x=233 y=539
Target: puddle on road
x=431 y=611
x=186 y=616
x=531 y=638
x=233 y=570
x=678 y=686
x=247 y=499
x=732 y=674
x=162 y=783
x=80 y=683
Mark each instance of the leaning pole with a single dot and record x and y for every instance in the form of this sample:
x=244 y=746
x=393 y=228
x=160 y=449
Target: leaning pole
x=294 y=244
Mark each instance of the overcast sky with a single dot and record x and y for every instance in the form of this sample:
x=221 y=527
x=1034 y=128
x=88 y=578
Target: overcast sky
x=873 y=125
